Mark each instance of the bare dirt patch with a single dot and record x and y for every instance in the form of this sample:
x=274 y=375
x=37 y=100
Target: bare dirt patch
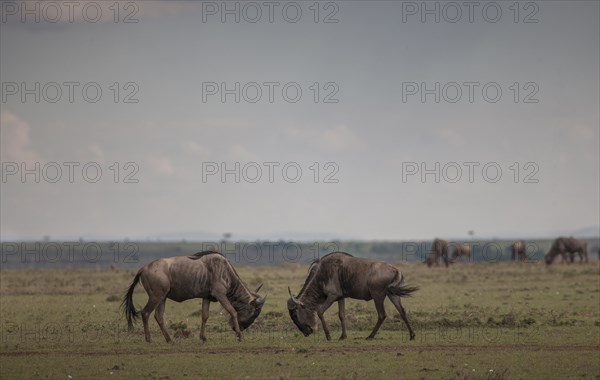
x=328 y=350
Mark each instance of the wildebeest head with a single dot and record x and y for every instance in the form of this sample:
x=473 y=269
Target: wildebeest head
x=304 y=318
x=248 y=312
x=549 y=258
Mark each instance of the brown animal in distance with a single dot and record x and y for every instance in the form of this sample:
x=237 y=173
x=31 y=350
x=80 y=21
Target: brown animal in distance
x=207 y=275
x=439 y=248
x=461 y=250
x=519 y=250
x=567 y=245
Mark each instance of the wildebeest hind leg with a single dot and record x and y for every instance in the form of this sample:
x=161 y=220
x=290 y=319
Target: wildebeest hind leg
x=158 y=315
x=342 y=315
x=398 y=304
x=380 y=315
x=153 y=302
x=205 y=309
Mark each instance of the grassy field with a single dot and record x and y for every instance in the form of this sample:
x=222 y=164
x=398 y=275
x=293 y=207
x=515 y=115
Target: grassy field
x=473 y=321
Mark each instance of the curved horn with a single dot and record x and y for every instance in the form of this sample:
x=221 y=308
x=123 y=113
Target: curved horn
x=258 y=288
x=260 y=301
x=294 y=299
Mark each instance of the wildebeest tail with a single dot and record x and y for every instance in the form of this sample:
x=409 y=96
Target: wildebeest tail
x=402 y=290
x=127 y=305
x=398 y=287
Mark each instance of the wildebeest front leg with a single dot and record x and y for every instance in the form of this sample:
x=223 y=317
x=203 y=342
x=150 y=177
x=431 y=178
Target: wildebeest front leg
x=342 y=315
x=231 y=310
x=398 y=304
x=205 y=308
x=328 y=302
x=380 y=315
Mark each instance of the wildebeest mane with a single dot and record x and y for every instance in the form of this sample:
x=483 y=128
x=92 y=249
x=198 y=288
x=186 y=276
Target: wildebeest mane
x=236 y=292
x=317 y=260
x=319 y=275
x=198 y=255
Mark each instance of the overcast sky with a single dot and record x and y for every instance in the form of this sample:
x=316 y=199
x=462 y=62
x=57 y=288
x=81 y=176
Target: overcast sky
x=367 y=116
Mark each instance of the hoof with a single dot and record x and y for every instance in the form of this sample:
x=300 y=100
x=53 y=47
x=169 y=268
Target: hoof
x=370 y=337
x=343 y=337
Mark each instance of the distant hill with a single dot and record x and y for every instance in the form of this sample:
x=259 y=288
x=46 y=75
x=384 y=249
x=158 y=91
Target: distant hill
x=204 y=236
x=592 y=232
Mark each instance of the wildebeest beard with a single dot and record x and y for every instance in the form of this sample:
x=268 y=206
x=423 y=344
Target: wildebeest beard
x=306 y=329
x=246 y=323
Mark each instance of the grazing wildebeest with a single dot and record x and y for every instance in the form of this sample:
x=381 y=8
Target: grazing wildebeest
x=430 y=260
x=519 y=249
x=439 y=248
x=461 y=250
x=339 y=275
x=207 y=275
x=567 y=245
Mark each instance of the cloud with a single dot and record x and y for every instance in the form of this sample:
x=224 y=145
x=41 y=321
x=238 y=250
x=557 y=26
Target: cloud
x=576 y=141
x=452 y=136
x=584 y=134
x=238 y=152
x=98 y=153
x=163 y=166
x=194 y=149
x=15 y=139
x=339 y=137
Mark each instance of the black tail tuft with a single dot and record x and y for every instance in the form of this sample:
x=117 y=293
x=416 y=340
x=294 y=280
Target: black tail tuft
x=127 y=305
x=402 y=290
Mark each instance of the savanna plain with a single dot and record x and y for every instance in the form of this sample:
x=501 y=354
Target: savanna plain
x=472 y=321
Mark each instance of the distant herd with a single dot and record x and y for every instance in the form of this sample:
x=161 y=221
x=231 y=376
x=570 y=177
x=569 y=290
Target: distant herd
x=332 y=278
x=565 y=247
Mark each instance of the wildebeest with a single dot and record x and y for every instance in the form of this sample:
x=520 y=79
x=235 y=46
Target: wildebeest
x=519 y=250
x=339 y=275
x=567 y=245
x=207 y=275
x=461 y=250
x=439 y=248
x=430 y=260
